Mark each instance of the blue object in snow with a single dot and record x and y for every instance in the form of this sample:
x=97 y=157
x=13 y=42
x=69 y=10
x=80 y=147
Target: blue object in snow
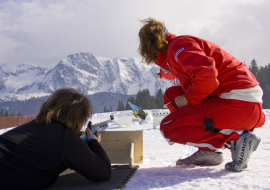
x=137 y=111
x=134 y=107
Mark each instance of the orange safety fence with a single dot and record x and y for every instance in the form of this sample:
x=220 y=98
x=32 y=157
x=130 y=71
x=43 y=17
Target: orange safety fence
x=13 y=121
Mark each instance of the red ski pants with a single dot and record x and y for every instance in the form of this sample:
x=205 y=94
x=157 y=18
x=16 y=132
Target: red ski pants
x=185 y=125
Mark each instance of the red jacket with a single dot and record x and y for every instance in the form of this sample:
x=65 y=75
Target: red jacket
x=203 y=68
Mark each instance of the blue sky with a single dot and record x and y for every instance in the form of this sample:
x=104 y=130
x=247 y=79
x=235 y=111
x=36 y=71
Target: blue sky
x=44 y=32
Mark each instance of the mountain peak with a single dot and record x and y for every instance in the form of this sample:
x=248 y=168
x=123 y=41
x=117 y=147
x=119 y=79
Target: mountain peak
x=83 y=71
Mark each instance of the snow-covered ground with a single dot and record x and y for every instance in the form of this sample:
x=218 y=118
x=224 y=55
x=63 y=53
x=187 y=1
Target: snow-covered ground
x=159 y=171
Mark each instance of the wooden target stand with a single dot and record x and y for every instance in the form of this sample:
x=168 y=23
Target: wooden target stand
x=123 y=147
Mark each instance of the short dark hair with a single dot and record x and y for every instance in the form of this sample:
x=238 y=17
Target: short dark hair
x=152 y=40
x=68 y=107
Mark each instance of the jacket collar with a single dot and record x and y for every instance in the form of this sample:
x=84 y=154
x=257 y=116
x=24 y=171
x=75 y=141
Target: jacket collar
x=170 y=37
x=161 y=58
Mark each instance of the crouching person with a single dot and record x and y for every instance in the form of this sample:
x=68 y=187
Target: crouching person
x=34 y=154
x=218 y=104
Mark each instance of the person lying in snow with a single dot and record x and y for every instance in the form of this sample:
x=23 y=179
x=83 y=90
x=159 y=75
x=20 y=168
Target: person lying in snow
x=218 y=103
x=34 y=154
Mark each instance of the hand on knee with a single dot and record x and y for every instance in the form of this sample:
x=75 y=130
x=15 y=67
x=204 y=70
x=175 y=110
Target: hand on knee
x=180 y=101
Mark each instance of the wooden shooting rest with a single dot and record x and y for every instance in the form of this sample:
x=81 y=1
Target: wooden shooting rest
x=123 y=147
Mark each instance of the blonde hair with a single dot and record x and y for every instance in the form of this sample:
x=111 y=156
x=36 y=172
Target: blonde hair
x=152 y=39
x=68 y=107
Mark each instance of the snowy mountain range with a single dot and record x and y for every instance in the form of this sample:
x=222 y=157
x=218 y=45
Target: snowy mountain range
x=25 y=86
x=82 y=71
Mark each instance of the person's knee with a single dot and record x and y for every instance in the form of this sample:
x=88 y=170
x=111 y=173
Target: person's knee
x=172 y=92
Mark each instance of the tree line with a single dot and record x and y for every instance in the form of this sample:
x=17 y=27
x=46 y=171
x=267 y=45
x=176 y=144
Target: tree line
x=262 y=75
x=6 y=114
x=143 y=99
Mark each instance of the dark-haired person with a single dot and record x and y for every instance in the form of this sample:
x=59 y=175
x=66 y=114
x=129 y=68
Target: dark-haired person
x=34 y=154
x=218 y=103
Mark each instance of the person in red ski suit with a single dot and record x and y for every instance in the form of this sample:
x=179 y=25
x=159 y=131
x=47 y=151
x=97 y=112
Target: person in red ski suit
x=218 y=104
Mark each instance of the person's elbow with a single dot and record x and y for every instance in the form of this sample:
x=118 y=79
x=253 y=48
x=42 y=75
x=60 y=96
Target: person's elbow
x=104 y=175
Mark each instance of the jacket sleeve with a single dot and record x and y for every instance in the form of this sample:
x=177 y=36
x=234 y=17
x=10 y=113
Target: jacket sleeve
x=88 y=159
x=167 y=75
x=199 y=68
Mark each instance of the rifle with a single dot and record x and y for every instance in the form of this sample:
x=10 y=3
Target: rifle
x=100 y=127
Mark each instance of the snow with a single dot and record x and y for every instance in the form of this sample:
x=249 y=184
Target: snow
x=159 y=171
x=21 y=75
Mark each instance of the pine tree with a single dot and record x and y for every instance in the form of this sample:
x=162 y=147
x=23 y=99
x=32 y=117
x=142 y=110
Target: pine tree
x=263 y=77
x=121 y=106
x=6 y=113
x=266 y=88
x=254 y=68
x=2 y=112
x=19 y=114
x=110 y=108
x=131 y=100
x=266 y=100
x=106 y=110
x=139 y=98
x=159 y=99
x=127 y=106
x=145 y=100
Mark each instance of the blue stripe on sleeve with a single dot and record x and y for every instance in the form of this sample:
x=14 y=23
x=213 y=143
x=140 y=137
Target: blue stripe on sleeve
x=177 y=52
